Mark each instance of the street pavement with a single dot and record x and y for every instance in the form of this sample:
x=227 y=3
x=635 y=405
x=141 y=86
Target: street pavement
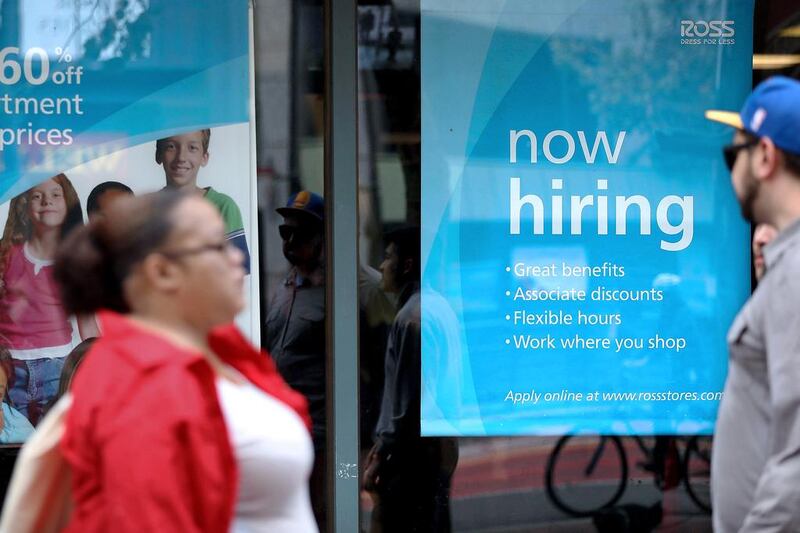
x=498 y=487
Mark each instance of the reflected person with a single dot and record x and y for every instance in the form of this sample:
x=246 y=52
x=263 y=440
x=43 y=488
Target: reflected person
x=376 y=313
x=408 y=475
x=295 y=323
x=762 y=236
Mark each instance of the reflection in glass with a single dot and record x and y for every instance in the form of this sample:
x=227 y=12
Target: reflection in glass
x=502 y=483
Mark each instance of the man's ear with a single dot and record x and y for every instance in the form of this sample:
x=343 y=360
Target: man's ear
x=408 y=266
x=766 y=159
x=158 y=156
x=206 y=155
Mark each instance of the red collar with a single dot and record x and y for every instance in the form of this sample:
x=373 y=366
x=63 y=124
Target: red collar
x=226 y=341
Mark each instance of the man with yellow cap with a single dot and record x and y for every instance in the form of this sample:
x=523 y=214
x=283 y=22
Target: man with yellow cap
x=755 y=468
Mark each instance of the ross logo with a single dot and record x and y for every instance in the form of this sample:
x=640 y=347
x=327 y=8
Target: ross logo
x=707 y=28
x=714 y=32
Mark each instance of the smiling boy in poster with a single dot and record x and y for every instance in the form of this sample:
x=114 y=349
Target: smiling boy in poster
x=182 y=157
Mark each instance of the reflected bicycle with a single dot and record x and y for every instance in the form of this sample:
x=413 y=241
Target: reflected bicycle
x=586 y=474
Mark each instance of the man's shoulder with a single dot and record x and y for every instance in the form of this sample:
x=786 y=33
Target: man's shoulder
x=784 y=273
x=783 y=253
x=792 y=254
x=410 y=312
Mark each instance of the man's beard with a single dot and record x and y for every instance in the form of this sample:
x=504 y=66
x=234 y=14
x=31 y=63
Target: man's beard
x=748 y=199
x=298 y=257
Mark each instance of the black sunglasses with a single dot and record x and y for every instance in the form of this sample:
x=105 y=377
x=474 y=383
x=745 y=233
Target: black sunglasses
x=731 y=151
x=298 y=233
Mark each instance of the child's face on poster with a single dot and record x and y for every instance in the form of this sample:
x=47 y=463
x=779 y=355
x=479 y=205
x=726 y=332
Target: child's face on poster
x=105 y=200
x=46 y=205
x=182 y=156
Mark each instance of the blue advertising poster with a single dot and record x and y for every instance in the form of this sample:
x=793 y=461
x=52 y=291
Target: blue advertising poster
x=91 y=96
x=583 y=251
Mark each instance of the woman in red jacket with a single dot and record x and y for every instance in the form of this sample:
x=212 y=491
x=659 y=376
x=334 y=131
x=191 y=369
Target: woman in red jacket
x=178 y=424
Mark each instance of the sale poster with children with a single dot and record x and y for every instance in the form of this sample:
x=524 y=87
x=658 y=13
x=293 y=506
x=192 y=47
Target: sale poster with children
x=94 y=105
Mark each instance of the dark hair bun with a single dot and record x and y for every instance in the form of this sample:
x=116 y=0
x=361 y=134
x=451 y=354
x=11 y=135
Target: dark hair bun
x=84 y=268
x=92 y=264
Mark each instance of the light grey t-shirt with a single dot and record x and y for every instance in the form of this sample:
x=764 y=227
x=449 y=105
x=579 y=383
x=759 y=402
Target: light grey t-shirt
x=756 y=459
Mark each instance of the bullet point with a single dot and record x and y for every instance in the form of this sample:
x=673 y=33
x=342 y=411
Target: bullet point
x=508 y=269
x=508 y=293
x=508 y=317
x=508 y=341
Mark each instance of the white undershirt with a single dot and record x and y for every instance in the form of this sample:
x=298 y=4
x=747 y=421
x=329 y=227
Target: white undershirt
x=38 y=264
x=274 y=454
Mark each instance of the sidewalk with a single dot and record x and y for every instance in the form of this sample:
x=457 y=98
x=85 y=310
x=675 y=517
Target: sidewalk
x=499 y=487
x=531 y=511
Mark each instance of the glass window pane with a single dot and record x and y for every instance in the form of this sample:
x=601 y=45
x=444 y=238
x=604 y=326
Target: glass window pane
x=499 y=483
x=290 y=133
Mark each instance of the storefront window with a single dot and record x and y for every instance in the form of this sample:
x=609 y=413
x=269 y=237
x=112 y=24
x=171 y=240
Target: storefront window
x=289 y=59
x=495 y=141
x=648 y=467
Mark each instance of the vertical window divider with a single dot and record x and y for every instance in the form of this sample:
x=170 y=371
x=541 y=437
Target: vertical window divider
x=341 y=206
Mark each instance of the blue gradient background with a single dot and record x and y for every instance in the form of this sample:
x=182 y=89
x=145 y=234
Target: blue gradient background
x=490 y=67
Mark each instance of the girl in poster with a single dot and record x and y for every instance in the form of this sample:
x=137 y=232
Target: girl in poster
x=33 y=324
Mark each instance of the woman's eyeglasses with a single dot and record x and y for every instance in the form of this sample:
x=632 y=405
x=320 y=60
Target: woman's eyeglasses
x=219 y=247
x=731 y=151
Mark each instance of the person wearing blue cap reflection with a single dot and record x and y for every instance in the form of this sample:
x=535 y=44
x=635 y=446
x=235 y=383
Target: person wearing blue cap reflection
x=755 y=468
x=295 y=323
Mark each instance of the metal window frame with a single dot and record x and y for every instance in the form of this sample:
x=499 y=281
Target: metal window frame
x=341 y=205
